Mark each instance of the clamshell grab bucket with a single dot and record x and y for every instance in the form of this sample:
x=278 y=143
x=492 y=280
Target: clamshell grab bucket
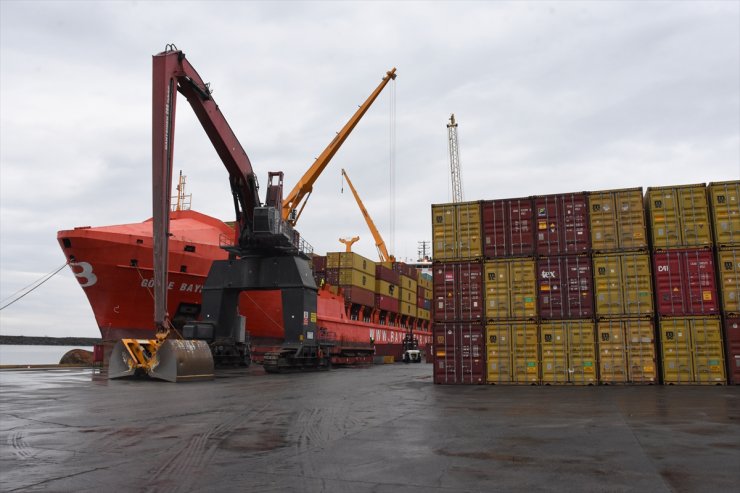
x=173 y=360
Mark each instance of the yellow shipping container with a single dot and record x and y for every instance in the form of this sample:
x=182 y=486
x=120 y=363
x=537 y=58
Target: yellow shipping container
x=724 y=204
x=626 y=351
x=408 y=284
x=679 y=216
x=617 y=220
x=354 y=277
x=554 y=347
x=387 y=289
x=423 y=314
x=511 y=288
x=708 y=351
x=728 y=268
x=456 y=231
x=350 y=260
x=581 y=352
x=641 y=352
x=408 y=309
x=524 y=352
x=498 y=351
x=623 y=284
x=425 y=283
x=612 y=352
x=692 y=346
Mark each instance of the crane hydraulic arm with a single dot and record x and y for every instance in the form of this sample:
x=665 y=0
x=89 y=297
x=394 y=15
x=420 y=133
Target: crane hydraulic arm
x=379 y=243
x=296 y=200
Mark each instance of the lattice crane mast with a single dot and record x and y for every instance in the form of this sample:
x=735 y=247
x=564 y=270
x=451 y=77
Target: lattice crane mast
x=457 y=190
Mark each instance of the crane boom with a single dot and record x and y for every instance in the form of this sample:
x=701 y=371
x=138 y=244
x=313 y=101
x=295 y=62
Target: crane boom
x=295 y=201
x=379 y=243
x=457 y=190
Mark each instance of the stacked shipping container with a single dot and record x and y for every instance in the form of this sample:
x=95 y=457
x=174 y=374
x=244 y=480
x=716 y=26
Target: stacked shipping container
x=572 y=288
x=724 y=205
x=685 y=285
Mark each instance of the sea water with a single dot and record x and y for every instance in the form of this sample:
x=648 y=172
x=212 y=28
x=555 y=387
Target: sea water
x=11 y=354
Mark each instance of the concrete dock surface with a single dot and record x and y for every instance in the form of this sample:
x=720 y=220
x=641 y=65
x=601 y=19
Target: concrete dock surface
x=383 y=428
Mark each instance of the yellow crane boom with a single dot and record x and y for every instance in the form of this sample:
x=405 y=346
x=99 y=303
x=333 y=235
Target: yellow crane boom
x=379 y=243
x=295 y=201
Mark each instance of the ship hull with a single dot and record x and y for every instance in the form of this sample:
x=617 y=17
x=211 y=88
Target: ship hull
x=113 y=265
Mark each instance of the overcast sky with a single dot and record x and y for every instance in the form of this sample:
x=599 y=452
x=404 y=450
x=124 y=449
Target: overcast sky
x=550 y=97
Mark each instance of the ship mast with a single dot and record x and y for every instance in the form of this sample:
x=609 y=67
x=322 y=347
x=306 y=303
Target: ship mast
x=182 y=201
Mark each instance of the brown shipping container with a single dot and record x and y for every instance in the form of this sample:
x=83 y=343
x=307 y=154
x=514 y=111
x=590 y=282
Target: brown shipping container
x=508 y=228
x=510 y=288
x=565 y=287
x=678 y=217
x=459 y=353
x=318 y=263
x=456 y=229
x=623 y=284
x=692 y=350
x=386 y=303
x=562 y=224
x=685 y=283
x=387 y=274
x=732 y=343
x=458 y=292
x=332 y=275
x=728 y=268
x=617 y=220
x=724 y=204
x=359 y=296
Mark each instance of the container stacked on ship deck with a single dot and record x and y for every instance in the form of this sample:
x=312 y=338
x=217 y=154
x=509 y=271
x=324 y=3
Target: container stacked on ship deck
x=686 y=296
x=510 y=291
x=625 y=322
x=565 y=292
x=457 y=298
x=724 y=206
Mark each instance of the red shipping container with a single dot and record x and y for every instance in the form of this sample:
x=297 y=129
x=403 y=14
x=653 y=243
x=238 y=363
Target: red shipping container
x=459 y=353
x=732 y=348
x=332 y=276
x=685 y=282
x=383 y=273
x=359 y=295
x=565 y=287
x=562 y=225
x=318 y=262
x=458 y=291
x=386 y=303
x=508 y=227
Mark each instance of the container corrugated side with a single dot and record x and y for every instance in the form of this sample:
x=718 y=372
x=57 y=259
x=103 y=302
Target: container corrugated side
x=469 y=231
x=352 y=260
x=356 y=278
x=565 y=287
x=562 y=224
x=728 y=270
x=582 y=356
x=708 y=351
x=444 y=224
x=685 y=283
x=387 y=303
x=510 y=288
x=678 y=217
x=617 y=220
x=508 y=227
x=387 y=289
x=724 y=205
x=459 y=353
x=359 y=296
x=623 y=284
x=675 y=351
x=732 y=345
x=498 y=353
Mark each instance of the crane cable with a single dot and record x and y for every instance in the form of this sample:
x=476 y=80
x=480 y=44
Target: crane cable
x=33 y=286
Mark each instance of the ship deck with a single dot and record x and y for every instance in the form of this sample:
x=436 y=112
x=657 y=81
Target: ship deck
x=385 y=428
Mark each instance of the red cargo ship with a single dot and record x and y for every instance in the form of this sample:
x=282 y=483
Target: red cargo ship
x=113 y=264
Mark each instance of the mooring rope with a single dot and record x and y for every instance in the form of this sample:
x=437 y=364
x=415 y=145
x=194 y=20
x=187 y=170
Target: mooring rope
x=36 y=284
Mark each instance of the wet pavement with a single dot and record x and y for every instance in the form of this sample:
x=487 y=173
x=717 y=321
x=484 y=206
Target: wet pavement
x=378 y=429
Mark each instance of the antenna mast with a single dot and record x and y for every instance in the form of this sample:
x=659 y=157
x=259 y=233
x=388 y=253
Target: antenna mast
x=457 y=191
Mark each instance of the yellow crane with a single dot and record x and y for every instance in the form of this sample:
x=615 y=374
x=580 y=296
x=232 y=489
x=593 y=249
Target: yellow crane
x=295 y=201
x=379 y=243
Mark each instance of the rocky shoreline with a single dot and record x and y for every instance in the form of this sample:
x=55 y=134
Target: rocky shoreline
x=49 y=341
